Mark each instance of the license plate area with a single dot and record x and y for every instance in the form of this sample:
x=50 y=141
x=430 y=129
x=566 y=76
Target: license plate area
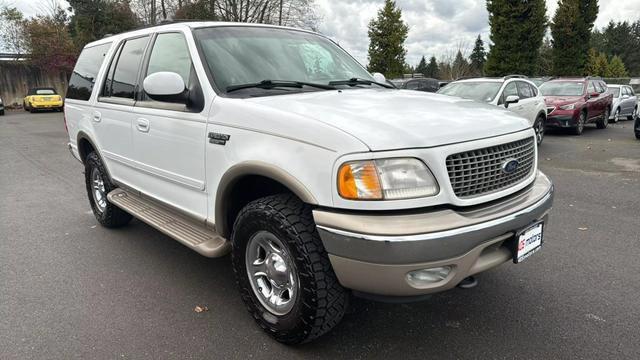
x=528 y=242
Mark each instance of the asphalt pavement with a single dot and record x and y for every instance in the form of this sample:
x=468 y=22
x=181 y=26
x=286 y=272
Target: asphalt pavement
x=70 y=289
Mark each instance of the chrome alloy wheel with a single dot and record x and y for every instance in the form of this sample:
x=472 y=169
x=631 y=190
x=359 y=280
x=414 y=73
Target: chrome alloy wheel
x=271 y=272
x=99 y=192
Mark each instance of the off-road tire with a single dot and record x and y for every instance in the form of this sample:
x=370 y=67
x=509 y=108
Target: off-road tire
x=579 y=128
x=604 y=122
x=321 y=301
x=112 y=216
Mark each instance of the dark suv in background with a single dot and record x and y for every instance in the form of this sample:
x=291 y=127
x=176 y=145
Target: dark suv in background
x=572 y=103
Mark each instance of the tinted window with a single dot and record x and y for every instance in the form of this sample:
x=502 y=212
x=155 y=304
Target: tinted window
x=524 y=91
x=85 y=72
x=562 y=88
x=413 y=85
x=170 y=53
x=630 y=90
x=125 y=75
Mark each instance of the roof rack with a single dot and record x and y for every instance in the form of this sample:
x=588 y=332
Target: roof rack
x=515 y=77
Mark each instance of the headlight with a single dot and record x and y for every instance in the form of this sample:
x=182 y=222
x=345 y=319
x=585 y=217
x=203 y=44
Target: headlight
x=386 y=179
x=568 y=107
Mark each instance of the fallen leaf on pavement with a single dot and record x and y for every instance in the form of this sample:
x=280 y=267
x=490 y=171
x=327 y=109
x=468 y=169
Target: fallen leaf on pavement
x=200 y=309
x=583 y=229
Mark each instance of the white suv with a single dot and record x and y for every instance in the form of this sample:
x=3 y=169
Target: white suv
x=514 y=92
x=322 y=181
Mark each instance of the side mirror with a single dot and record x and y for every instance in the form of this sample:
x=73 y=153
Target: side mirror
x=379 y=78
x=511 y=99
x=625 y=96
x=165 y=86
x=594 y=94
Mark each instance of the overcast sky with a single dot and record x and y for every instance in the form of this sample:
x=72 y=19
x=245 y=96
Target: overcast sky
x=436 y=27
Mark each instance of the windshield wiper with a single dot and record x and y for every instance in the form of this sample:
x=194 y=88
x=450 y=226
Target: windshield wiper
x=358 y=81
x=272 y=84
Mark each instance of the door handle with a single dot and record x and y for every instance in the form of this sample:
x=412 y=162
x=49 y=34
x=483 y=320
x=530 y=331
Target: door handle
x=142 y=125
x=97 y=116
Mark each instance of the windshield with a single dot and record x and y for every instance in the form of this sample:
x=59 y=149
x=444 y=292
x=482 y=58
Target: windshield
x=615 y=91
x=562 y=88
x=479 y=91
x=45 y=92
x=238 y=55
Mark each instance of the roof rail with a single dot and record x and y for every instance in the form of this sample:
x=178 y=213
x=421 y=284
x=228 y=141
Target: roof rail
x=467 y=77
x=515 y=77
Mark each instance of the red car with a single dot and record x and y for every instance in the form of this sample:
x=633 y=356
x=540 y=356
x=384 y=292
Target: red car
x=572 y=103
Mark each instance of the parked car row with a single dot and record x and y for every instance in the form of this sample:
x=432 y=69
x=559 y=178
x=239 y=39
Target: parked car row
x=515 y=93
x=567 y=103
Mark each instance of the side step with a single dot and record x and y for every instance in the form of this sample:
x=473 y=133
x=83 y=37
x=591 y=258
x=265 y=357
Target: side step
x=191 y=233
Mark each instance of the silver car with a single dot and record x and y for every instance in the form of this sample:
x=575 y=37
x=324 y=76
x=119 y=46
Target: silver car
x=625 y=103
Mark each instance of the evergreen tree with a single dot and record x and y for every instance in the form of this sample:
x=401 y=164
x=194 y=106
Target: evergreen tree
x=422 y=67
x=460 y=66
x=478 y=57
x=601 y=65
x=571 y=30
x=387 y=34
x=591 y=66
x=92 y=20
x=616 y=68
x=545 y=62
x=432 y=68
x=517 y=30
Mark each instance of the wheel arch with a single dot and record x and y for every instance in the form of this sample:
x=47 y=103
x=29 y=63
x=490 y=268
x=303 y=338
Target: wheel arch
x=262 y=179
x=85 y=146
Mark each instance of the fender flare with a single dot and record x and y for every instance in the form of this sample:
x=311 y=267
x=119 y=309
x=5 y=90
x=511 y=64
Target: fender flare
x=259 y=168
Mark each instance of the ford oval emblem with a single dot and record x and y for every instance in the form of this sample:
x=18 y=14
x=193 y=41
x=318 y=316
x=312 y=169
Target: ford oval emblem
x=510 y=166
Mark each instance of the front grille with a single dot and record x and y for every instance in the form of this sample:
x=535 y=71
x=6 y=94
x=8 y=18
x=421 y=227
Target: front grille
x=480 y=172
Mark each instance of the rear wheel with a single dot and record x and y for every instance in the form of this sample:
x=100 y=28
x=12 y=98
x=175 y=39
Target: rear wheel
x=283 y=271
x=98 y=186
x=633 y=115
x=1 y=112
x=604 y=122
x=579 y=128
x=538 y=127
x=24 y=106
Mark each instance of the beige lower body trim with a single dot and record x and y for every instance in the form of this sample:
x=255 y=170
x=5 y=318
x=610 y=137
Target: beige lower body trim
x=391 y=280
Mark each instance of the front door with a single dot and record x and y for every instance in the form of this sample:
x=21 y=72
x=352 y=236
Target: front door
x=169 y=139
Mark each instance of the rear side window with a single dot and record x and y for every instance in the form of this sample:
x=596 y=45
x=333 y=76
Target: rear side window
x=630 y=90
x=123 y=74
x=524 y=91
x=84 y=74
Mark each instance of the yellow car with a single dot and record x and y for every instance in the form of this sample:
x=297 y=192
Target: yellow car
x=42 y=99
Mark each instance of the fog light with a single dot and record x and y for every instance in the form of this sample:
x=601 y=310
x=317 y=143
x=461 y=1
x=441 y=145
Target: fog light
x=425 y=277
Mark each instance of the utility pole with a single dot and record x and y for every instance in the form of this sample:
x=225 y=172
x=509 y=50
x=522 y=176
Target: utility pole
x=153 y=12
x=280 y=19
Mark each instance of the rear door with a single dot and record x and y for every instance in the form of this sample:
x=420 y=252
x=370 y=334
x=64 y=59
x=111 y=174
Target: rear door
x=113 y=112
x=169 y=139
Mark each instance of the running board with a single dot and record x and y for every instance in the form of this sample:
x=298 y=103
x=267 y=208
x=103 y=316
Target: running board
x=189 y=232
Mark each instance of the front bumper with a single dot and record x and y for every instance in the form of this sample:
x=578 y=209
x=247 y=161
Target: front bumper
x=374 y=253
x=562 y=119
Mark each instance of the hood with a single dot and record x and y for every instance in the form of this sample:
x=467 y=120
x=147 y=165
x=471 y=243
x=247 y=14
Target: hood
x=561 y=100
x=386 y=119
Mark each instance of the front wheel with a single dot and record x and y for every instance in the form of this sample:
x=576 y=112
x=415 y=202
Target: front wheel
x=538 y=127
x=604 y=122
x=579 y=128
x=634 y=115
x=283 y=271
x=616 y=117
